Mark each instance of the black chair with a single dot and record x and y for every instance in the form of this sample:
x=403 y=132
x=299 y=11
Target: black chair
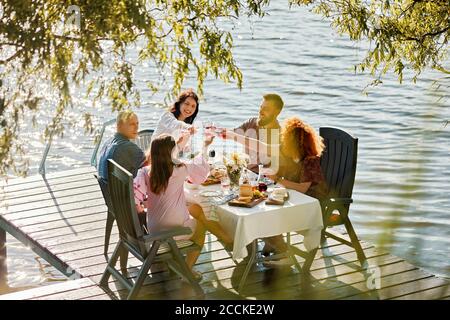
x=338 y=165
x=148 y=248
x=109 y=224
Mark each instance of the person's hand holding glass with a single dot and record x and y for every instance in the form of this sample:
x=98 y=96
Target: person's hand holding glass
x=224 y=133
x=208 y=128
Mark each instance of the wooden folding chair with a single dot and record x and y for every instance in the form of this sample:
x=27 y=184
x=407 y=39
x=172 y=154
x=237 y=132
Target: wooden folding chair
x=147 y=248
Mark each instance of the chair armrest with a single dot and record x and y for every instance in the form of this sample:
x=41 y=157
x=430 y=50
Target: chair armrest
x=331 y=204
x=166 y=234
x=338 y=201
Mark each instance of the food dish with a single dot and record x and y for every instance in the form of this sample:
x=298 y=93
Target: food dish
x=210 y=181
x=246 y=204
x=215 y=176
x=279 y=198
x=209 y=193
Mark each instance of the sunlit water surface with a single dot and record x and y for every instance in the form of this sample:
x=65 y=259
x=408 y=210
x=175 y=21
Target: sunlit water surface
x=401 y=193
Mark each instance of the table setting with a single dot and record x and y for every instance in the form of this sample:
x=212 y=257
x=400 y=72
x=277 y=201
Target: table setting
x=256 y=207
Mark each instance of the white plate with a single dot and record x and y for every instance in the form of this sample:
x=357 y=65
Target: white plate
x=209 y=193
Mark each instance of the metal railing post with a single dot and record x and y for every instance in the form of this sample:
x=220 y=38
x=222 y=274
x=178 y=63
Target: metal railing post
x=42 y=169
x=44 y=156
x=97 y=146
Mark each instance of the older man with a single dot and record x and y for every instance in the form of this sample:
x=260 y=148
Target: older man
x=120 y=148
x=125 y=153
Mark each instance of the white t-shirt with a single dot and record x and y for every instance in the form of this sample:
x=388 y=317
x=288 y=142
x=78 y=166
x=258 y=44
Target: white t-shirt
x=168 y=124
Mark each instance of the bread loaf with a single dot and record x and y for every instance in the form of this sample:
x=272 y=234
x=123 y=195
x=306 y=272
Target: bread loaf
x=245 y=190
x=245 y=199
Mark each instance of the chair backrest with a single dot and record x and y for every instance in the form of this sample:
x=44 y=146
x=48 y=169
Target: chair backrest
x=105 y=193
x=338 y=161
x=120 y=189
x=144 y=139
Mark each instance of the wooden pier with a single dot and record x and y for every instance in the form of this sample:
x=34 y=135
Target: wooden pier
x=62 y=218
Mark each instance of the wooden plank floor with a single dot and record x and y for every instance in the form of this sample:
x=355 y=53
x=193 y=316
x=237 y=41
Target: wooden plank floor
x=62 y=218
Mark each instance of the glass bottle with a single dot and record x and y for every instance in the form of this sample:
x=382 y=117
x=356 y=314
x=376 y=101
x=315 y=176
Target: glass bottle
x=244 y=177
x=262 y=186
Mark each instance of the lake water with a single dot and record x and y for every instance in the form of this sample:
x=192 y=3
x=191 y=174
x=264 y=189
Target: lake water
x=402 y=188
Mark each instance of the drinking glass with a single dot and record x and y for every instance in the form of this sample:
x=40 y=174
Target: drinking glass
x=225 y=184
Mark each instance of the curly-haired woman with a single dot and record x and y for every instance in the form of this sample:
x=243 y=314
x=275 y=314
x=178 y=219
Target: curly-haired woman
x=299 y=169
x=300 y=152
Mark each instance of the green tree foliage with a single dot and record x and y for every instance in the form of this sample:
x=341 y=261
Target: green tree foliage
x=404 y=34
x=36 y=45
x=179 y=37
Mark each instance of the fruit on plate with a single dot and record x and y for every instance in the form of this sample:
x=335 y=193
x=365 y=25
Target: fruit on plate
x=257 y=194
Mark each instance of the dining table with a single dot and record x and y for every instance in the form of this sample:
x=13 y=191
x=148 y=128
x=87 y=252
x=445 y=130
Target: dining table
x=300 y=213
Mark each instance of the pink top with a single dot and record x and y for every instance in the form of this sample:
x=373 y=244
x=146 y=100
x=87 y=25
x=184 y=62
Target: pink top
x=168 y=209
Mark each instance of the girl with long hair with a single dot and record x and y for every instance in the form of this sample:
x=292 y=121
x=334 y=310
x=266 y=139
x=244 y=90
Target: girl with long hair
x=164 y=194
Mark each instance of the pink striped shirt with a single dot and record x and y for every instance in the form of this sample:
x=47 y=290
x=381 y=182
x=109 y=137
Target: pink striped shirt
x=168 y=209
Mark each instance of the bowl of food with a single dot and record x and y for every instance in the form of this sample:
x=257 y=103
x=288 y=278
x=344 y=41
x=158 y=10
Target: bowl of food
x=218 y=173
x=279 y=194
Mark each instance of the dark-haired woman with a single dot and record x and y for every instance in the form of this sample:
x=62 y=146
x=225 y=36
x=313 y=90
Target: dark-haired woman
x=180 y=117
x=166 y=201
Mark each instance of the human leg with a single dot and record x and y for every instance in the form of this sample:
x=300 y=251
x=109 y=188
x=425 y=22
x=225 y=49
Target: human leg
x=213 y=226
x=275 y=244
x=198 y=238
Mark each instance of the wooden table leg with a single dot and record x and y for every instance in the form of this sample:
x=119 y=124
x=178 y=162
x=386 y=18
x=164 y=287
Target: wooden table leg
x=3 y=264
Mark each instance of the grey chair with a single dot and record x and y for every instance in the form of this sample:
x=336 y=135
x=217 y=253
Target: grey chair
x=147 y=248
x=144 y=139
x=109 y=224
x=338 y=164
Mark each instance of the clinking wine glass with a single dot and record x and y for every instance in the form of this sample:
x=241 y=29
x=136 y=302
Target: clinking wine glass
x=208 y=126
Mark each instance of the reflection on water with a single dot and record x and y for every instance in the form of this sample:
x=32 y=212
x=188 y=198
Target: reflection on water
x=402 y=183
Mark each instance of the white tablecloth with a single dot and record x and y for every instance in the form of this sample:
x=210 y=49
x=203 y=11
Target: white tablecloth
x=300 y=213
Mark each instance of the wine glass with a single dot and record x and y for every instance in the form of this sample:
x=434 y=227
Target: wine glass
x=207 y=126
